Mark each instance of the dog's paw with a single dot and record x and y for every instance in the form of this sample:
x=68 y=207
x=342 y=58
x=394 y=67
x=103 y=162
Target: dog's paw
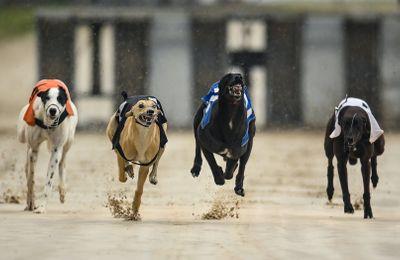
x=329 y=193
x=375 y=180
x=229 y=174
x=62 y=193
x=368 y=212
x=30 y=206
x=123 y=178
x=348 y=208
x=62 y=196
x=219 y=176
x=129 y=171
x=153 y=180
x=239 y=191
x=135 y=217
x=40 y=210
x=195 y=170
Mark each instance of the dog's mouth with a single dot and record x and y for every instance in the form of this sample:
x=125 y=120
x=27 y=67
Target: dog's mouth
x=146 y=119
x=236 y=91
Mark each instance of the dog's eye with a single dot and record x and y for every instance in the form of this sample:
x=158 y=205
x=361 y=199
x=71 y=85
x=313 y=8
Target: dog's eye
x=60 y=99
x=154 y=106
x=47 y=98
x=141 y=106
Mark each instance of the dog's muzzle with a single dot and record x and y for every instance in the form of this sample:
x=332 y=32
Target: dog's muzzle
x=148 y=117
x=236 y=91
x=53 y=112
x=350 y=143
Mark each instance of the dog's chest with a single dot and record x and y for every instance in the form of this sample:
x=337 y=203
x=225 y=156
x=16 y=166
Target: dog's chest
x=356 y=152
x=227 y=152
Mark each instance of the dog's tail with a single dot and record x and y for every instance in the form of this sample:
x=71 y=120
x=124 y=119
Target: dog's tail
x=21 y=126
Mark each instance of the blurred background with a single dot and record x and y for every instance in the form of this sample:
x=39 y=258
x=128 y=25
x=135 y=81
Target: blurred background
x=299 y=58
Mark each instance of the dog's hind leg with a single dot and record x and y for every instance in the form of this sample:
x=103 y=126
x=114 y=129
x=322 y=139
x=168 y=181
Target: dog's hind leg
x=143 y=172
x=198 y=161
x=328 y=147
x=379 y=148
x=230 y=168
x=153 y=173
x=53 y=168
x=366 y=172
x=330 y=189
x=30 y=174
x=374 y=176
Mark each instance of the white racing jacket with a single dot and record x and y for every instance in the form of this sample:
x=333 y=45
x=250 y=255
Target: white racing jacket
x=375 y=132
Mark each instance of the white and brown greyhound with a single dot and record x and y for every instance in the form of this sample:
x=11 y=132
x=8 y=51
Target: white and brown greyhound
x=50 y=116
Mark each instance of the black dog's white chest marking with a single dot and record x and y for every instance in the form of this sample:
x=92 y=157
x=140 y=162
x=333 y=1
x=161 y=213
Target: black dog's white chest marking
x=226 y=152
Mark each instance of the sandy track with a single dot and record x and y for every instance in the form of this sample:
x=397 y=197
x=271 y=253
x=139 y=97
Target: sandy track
x=283 y=215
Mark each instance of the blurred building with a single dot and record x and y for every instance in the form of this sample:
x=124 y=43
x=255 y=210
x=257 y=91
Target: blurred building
x=299 y=60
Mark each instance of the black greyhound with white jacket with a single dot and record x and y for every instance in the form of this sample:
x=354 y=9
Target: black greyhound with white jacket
x=51 y=116
x=225 y=124
x=353 y=133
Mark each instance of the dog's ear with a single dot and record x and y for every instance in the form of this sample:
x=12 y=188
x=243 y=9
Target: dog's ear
x=124 y=95
x=129 y=113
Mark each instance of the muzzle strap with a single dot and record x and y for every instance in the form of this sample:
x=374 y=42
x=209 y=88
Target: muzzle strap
x=41 y=124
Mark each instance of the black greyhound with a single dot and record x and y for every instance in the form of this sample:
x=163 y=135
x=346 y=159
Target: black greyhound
x=351 y=144
x=224 y=133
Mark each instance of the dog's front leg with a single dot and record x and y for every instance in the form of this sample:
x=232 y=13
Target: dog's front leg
x=56 y=154
x=366 y=173
x=30 y=174
x=198 y=161
x=239 y=190
x=63 y=173
x=230 y=168
x=143 y=172
x=217 y=172
x=342 y=169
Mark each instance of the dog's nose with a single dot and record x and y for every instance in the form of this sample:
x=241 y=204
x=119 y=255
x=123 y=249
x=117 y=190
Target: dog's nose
x=150 y=112
x=52 y=111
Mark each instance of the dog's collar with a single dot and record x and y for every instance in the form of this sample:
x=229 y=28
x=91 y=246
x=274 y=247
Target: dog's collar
x=41 y=124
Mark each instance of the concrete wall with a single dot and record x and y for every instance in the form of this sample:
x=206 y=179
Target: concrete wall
x=170 y=73
x=170 y=69
x=390 y=71
x=322 y=69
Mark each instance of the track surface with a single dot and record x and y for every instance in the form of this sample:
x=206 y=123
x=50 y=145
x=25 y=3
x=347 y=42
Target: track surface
x=284 y=213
